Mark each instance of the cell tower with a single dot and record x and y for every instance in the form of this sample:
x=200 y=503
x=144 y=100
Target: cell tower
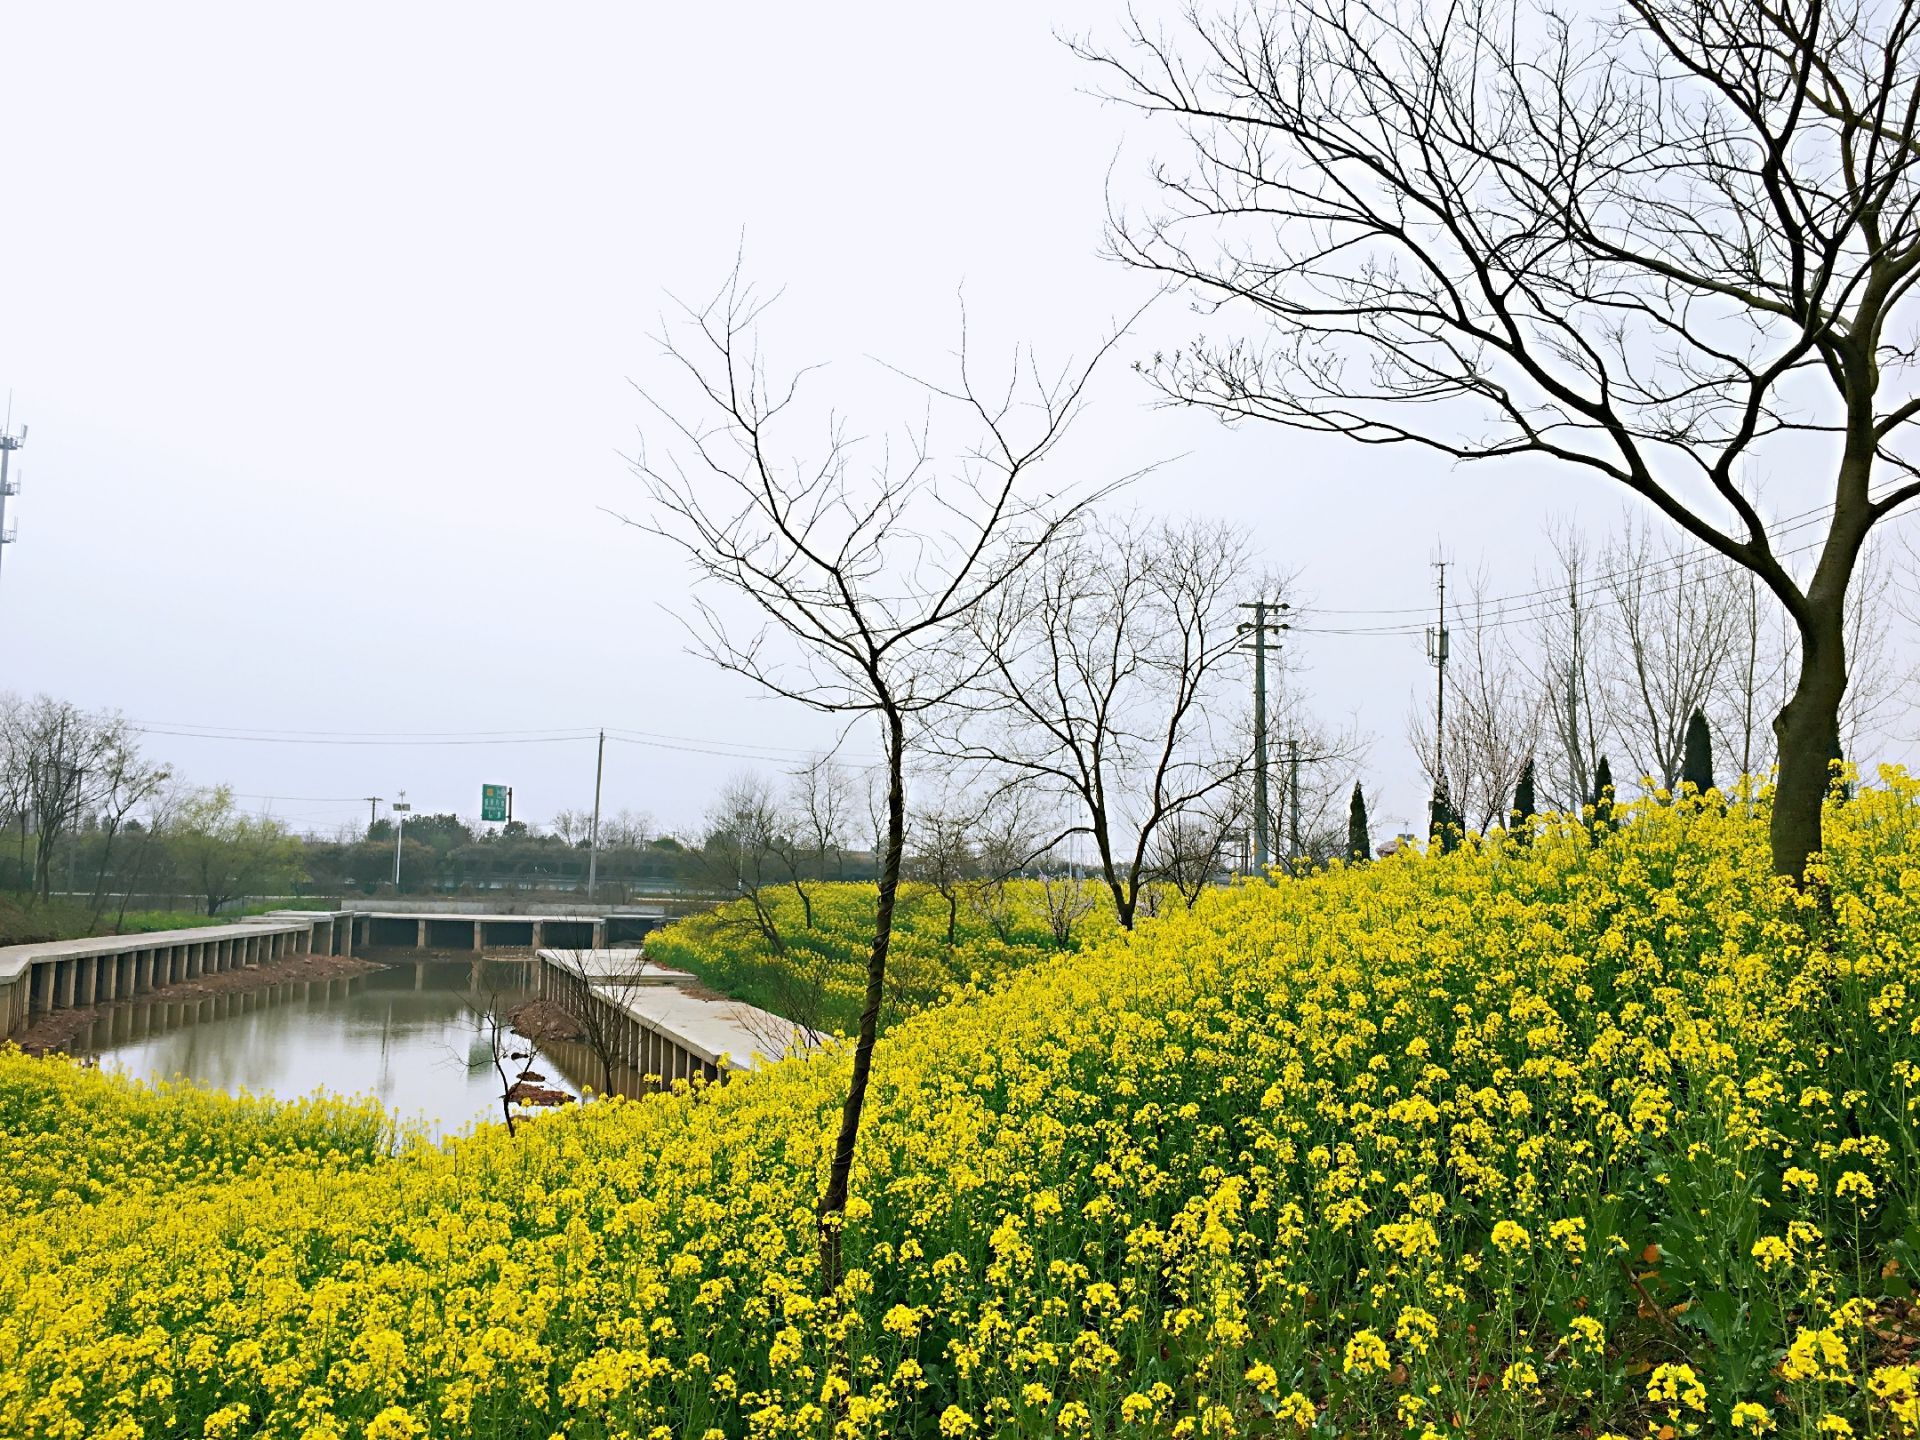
x=9 y=442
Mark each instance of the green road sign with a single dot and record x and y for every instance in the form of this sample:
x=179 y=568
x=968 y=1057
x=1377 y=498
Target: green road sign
x=495 y=801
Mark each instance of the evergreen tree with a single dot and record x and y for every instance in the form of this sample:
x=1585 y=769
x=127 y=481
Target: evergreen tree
x=1696 y=763
x=1359 y=846
x=1443 y=824
x=1520 y=819
x=1602 y=796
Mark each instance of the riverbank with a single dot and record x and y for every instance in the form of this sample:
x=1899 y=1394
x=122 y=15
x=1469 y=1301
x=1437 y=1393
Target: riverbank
x=57 y=1032
x=25 y=921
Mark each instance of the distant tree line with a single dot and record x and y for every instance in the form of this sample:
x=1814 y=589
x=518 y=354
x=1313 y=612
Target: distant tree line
x=1635 y=651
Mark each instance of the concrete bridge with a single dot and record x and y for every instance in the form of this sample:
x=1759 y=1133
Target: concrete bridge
x=487 y=931
x=62 y=974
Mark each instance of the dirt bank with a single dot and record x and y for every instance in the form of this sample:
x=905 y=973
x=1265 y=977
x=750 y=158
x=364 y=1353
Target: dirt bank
x=60 y=1029
x=545 y=1022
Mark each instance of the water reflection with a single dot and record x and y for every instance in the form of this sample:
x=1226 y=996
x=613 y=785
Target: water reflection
x=415 y=1037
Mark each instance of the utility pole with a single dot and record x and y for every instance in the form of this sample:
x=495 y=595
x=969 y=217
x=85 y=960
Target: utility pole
x=400 y=810
x=1579 y=776
x=9 y=442
x=1437 y=656
x=1293 y=804
x=373 y=811
x=593 y=836
x=1260 y=627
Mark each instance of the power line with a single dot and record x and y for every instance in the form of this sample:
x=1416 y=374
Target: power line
x=1525 y=605
x=1785 y=527
x=1500 y=618
x=265 y=735
x=272 y=739
x=303 y=799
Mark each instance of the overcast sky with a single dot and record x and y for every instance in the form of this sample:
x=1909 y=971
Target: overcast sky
x=324 y=326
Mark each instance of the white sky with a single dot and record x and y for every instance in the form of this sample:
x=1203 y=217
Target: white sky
x=323 y=325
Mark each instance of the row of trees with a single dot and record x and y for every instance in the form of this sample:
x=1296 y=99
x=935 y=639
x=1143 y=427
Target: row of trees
x=90 y=816
x=1616 y=652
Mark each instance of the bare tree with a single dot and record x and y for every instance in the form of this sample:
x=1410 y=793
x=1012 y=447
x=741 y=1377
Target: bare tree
x=1665 y=249
x=1109 y=670
x=862 y=569
x=162 y=806
x=1005 y=843
x=821 y=802
x=941 y=838
x=628 y=829
x=1188 y=853
x=1756 y=678
x=1675 y=621
x=1494 y=717
x=127 y=783
x=505 y=1051
x=64 y=764
x=1569 y=664
x=1067 y=897
x=747 y=848
x=1312 y=765
x=596 y=991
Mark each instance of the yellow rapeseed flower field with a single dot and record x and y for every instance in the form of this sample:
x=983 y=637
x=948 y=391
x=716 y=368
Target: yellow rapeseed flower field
x=1583 y=1138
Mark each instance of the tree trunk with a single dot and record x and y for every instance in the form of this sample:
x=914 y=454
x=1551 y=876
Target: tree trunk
x=1808 y=734
x=833 y=1202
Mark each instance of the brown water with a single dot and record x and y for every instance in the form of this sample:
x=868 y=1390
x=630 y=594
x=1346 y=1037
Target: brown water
x=417 y=1038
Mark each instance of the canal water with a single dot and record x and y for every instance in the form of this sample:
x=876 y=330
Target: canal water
x=417 y=1038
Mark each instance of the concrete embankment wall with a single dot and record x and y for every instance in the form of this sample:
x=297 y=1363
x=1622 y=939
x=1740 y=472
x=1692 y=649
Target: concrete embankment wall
x=653 y=1024
x=643 y=1047
x=61 y=974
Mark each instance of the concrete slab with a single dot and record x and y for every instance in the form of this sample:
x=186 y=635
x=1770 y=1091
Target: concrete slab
x=624 y=965
x=749 y=1037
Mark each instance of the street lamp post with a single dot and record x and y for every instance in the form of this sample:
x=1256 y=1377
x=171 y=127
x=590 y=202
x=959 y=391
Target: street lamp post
x=400 y=812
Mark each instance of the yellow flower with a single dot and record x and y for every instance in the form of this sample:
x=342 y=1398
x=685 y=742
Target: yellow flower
x=1679 y=1386
x=1509 y=1237
x=1897 y=1387
x=902 y=1320
x=1586 y=1333
x=1748 y=1415
x=1366 y=1354
x=393 y=1423
x=1854 y=1185
x=1297 y=1409
x=1816 y=1355
x=1520 y=1376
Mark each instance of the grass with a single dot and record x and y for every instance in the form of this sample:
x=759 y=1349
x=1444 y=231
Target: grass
x=816 y=975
